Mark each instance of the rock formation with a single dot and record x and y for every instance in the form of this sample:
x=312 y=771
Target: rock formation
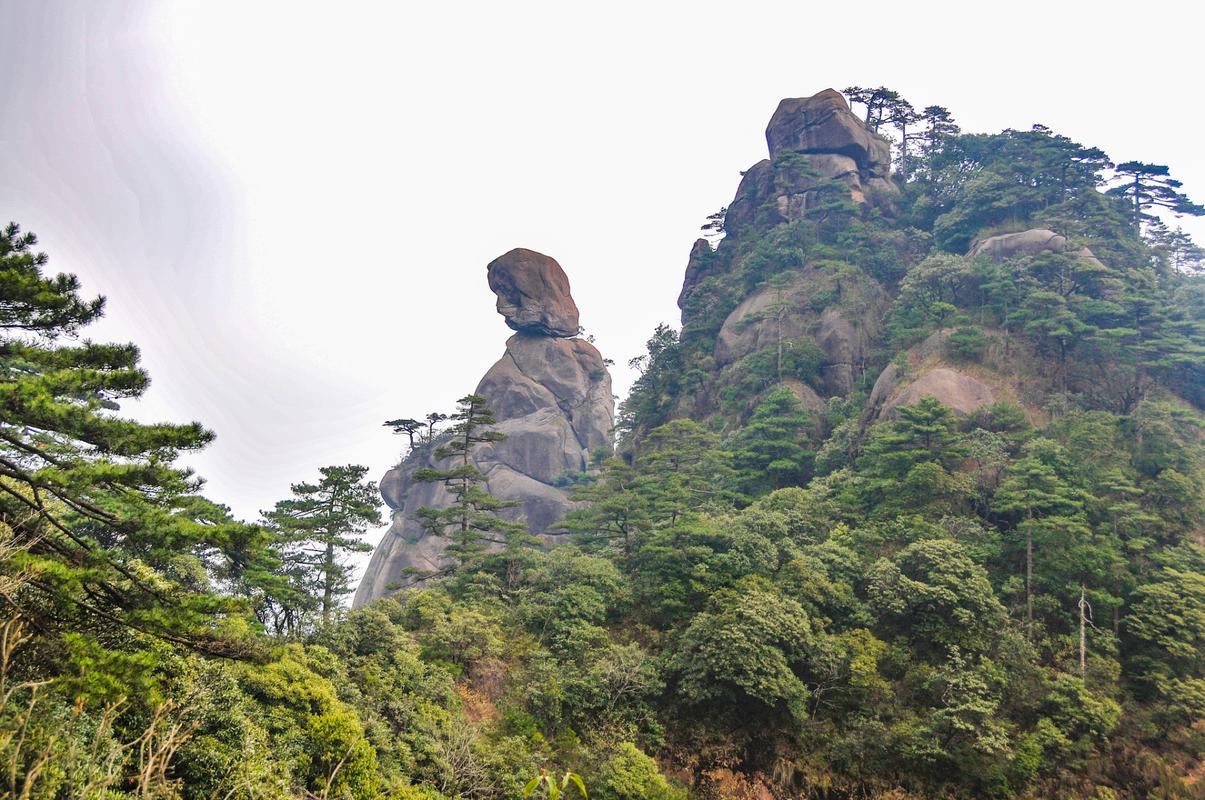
x=1027 y=243
x=843 y=332
x=552 y=397
x=927 y=369
x=835 y=144
x=812 y=141
x=533 y=293
x=824 y=124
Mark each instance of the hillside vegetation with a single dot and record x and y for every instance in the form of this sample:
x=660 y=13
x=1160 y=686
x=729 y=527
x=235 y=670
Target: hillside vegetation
x=909 y=507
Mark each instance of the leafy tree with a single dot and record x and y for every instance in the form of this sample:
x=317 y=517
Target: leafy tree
x=903 y=116
x=878 y=102
x=692 y=472
x=932 y=590
x=909 y=462
x=314 y=531
x=743 y=653
x=1166 y=631
x=654 y=390
x=1039 y=494
x=629 y=774
x=407 y=426
x=616 y=510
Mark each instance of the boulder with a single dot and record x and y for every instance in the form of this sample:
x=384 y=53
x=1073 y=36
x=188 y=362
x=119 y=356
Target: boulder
x=533 y=293
x=1027 y=243
x=823 y=123
x=1007 y=371
x=552 y=398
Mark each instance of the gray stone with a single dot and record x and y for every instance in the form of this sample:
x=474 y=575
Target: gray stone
x=843 y=330
x=1028 y=243
x=552 y=398
x=533 y=293
x=823 y=123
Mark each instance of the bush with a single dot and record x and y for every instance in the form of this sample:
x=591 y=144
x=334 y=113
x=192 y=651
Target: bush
x=629 y=774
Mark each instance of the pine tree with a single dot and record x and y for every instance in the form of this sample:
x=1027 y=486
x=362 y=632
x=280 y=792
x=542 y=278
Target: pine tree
x=1150 y=186
x=472 y=522
x=1042 y=501
x=615 y=510
x=773 y=450
x=316 y=528
x=116 y=537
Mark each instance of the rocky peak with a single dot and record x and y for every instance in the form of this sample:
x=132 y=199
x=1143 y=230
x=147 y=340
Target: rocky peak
x=533 y=293
x=551 y=395
x=823 y=124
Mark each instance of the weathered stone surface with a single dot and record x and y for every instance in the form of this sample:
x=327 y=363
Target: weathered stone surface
x=1027 y=243
x=806 y=395
x=844 y=330
x=956 y=389
x=823 y=123
x=552 y=398
x=533 y=293
x=756 y=186
x=701 y=258
x=1003 y=374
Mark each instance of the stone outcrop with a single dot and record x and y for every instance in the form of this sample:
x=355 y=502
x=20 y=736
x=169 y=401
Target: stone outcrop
x=552 y=398
x=1006 y=371
x=533 y=293
x=829 y=143
x=840 y=316
x=1027 y=243
x=824 y=124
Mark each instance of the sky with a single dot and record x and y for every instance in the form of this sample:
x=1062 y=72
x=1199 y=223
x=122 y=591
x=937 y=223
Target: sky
x=290 y=205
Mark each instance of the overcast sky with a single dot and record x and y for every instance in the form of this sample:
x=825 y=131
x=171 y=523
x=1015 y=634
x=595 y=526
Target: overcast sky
x=290 y=205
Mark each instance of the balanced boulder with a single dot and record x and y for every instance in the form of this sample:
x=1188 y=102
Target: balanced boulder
x=823 y=123
x=552 y=398
x=533 y=293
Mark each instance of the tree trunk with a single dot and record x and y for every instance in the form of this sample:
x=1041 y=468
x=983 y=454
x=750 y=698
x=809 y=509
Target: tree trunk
x=1029 y=577
x=1083 y=641
x=327 y=589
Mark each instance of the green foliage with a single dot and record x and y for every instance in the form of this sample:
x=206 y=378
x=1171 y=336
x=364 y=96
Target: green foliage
x=774 y=450
x=629 y=774
x=312 y=532
x=752 y=598
x=472 y=521
x=746 y=646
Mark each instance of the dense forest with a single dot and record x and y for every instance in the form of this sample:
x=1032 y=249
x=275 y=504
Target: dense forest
x=797 y=576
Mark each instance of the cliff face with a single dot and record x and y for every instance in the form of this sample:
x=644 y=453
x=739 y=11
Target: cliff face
x=751 y=301
x=551 y=394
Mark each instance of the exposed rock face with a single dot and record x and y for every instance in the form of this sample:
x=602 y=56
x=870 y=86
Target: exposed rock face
x=552 y=398
x=842 y=318
x=823 y=123
x=959 y=391
x=834 y=145
x=1027 y=243
x=533 y=293
x=700 y=257
x=1006 y=372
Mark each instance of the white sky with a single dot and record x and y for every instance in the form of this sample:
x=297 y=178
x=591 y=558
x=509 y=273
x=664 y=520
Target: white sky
x=290 y=205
